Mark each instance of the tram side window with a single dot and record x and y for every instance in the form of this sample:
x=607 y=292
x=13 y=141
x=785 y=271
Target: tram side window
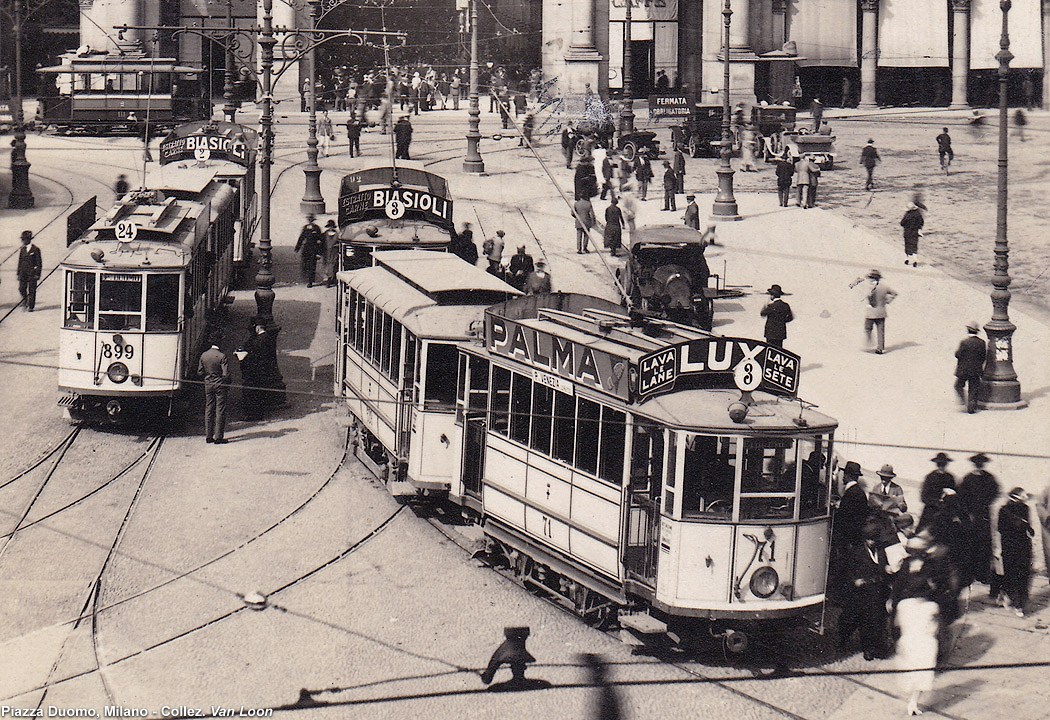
x=440 y=390
x=120 y=303
x=80 y=300
x=384 y=360
x=377 y=337
x=542 y=417
x=564 y=426
x=394 y=373
x=500 y=420
x=647 y=458
x=587 y=423
x=520 y=408
x=369 y=318
x=162 y=302
x=613 y=445
x=815 y=488
x=478 y=395
x=708 y=476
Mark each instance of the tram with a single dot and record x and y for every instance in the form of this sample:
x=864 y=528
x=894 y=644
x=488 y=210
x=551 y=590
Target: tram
x=399 y=322
x=142 y=285
x=224 y=151
x=100 y=94
x=636 y=469
x=392 y=207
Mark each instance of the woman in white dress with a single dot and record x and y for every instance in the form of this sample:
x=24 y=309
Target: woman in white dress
x=915 y=587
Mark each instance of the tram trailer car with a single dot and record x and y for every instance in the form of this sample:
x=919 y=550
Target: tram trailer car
x=141 y=285
x=383 y=207
x=228 y=151
x=399 y=323
x=623 y=470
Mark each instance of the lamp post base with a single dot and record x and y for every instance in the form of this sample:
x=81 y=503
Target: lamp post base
x=313 y=201
x=724 y=207
x=473 y=162
x=21 y=196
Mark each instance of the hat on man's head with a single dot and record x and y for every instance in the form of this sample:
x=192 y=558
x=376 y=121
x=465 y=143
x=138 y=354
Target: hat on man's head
x=973 y=327
x=27 y=235
x=521 y=248
x=690 y=197
x=500 y=233
x=310 y=217
x=1018 y=493
x=875 y=275
x=330 y=223
x=871 y=141
x=979 y=459
x=775 y=291
x=941 y=459
x=541 y=263
x=886 y=471
x=851 y=469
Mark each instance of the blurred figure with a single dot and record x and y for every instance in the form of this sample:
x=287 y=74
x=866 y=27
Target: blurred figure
x=869 y=158
x=310 y=246
x=462 y=244
x=402 y=137
x=493 y=249
x=607 y=706
x=539 y=280
x=330 y=249
x=122 y=187
x=976 y=124
x=969 y=367
x=1015 y=534
x=944 y=149
x=1019 y=122
x=934 y=483
x=977 y=491
x=1042 y=510
x=585 y=220
x=325 y=135
x=915 y=588
x=643 y=172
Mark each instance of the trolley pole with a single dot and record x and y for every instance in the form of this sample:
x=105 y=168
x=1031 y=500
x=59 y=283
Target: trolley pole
x=229 y=109
x=473 y=163
x=313 y=201
x=1000 y=389
x=724 y=207
x=21 y=195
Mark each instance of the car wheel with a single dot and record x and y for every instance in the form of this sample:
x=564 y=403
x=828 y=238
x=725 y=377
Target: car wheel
x=694 y=146
x=581 y=147
x=628 y=151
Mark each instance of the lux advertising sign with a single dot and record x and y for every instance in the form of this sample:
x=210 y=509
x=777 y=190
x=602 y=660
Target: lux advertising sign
x=719 y=362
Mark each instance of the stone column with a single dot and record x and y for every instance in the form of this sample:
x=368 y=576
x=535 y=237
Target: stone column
x=1046 y=54
x=779 y=23
x=582 y=57
x=739 y=28
x=960 y=51
x=869 y=59
x=582 y=27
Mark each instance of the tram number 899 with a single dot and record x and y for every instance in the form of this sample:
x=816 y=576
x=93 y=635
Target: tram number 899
x=118 y=351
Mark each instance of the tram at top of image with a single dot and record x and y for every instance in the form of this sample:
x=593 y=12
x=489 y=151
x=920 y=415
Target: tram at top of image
x=398 y=325
x=142 y=286
x=392 y=207
x=99 y=94
x=224 y=151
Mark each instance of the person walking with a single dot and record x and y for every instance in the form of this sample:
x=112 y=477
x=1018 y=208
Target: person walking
x=568 y=146
x=518 y=269
x=325 y=134
x=747 y=149
x=353 y=135
x=977 y=491
x=936 y=481
x=670 y=187
x=679 y=171
x=453 y=87
x=814 y=183
x=608 y=170
x=803 y=178
x=629 y=209
x=867 y=589
x=970 y=357
x=402 y=138
x=585 y=182
x=330 y=247
x=462 y=244
x=309 y=246
x=613 y=234
x=816 y=109
x=1015 y=537
x=215 y=368
x=944 y=149
x=539 y=280
x=777 y=314
x=30 y=265
x=585 y=220
x=643 y=172
x=692 y=213
x=912 y=223
x=914 y=593
x=122 y=187
x=785 y=171
x=1019 y=122
x=493 y=248
x=879 y=295
x=869 y=158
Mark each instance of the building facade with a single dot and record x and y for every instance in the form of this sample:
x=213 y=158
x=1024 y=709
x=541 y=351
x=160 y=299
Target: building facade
x=846 y=52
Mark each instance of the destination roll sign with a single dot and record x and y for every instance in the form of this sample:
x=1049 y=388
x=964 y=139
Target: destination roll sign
x=719 y=362
x=395 y=203
x=203 y=146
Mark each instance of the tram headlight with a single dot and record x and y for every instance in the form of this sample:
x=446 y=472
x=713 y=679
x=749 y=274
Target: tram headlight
x=764 y=582
x=117 y=372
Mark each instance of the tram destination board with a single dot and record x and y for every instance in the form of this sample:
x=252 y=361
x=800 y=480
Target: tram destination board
x=395 y=203
x=719 y=362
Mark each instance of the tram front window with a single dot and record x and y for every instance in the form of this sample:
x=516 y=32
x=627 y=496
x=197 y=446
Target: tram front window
x=708 y=476
x=120 y=302
x=162 y=302
x=767 y=484
x=815 y=489
x=80 y=300
x=440 y=388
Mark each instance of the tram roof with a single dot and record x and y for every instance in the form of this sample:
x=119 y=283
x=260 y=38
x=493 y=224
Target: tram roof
x=433 y=272
x=409 y=172
x=136 y=255
x=183 y=177
x=708 y=409
x=408 y=233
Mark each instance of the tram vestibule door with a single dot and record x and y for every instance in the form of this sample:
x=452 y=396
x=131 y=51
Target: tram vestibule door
x=473 y=453
x=643 y=503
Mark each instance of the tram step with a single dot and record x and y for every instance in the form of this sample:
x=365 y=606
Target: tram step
x=399 y=487
x=643 y=623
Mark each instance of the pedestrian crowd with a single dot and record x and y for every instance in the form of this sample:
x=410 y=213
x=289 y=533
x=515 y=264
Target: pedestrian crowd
x=898 y=581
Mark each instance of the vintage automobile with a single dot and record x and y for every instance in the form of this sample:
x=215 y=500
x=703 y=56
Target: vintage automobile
x=597 y=127
x=793 y=143
x=702 y=132
x=667 y=274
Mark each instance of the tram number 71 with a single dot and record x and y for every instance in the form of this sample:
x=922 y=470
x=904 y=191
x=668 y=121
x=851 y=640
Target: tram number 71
x=547 y=531
x=117 y=351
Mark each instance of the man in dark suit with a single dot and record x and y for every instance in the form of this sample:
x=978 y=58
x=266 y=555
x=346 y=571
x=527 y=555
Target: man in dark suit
x=777 y=314
x=867 y=583
x=215 y=368
x=29 y=266
x=977 y=491
x=692 y=213
x=670 y=186
x=970 y=365
x=853 y=505
x=935 y=482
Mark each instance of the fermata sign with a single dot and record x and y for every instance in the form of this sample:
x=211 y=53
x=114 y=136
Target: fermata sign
x=719 y=362
x=661 y=106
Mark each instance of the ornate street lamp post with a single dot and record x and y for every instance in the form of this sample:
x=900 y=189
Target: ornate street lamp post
x=1000 y=387
x=313 y=201
x=229 y=108
x=21 y=196
x=473 y=162
x=627 y=116
x=724 y=206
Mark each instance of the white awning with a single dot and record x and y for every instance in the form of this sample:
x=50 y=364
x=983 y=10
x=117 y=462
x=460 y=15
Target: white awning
x=986 y=25
x=825 y=31
x=913 y=33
